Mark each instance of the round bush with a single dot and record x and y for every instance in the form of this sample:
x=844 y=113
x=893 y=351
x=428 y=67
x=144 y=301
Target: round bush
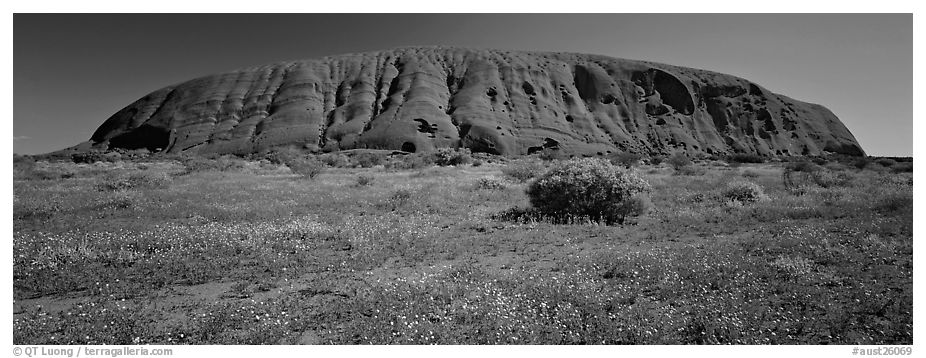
x=449 y=156
x=308 y=168
x=744 y=191
x=590 y=187
x=679 y=161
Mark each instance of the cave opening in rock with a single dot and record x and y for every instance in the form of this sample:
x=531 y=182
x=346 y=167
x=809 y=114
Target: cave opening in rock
x=408 y=147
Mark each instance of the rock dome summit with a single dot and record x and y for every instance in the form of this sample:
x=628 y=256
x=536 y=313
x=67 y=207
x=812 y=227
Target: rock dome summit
x=501 y=102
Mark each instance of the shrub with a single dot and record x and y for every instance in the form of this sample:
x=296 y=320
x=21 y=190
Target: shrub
x=523 y=170
x=27 y=170
x=690 y=170
x=123 y=199
x=744 y=191
x=449 y=156
x=399 y=199
x=550 y=154
x=283 y=155
x=486 y=183
x=828 y=178
x=137 y=180
x=229 y=163
x=308 y=168
x=23 y=166
x=861 y=162
x=797 y=174
x=134 y=154
x=364 y=180
x=412 y=161
x=893 y=203
x=656 y=159
x=589 y=187
x=745 y=158
x=819 y=160
x=637 y=205
x=95 y=156
x=196 y=164
x=905 y=167
x=801 y=174
x=369 y=159
x=678 y=161
x=335 y=160
x=803 y=166
x=749 y=173
x=885 y=162
x=625 y=159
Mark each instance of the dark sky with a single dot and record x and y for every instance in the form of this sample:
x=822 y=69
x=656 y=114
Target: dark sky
x=72 y=71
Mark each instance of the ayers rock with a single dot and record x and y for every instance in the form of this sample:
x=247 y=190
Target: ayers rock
x=501 y=102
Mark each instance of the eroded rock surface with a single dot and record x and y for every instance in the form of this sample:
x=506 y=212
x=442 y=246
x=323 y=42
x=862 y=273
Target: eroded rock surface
x=502 y=102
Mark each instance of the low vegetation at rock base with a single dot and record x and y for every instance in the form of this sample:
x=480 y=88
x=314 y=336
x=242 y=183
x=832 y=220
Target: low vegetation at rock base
x=744 y=191
x=389 y=248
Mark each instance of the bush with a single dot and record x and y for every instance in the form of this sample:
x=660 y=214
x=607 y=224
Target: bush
x=23 y=158
x=690 y=170
x=369 y=160
x=625 y=159
x=196 y=164
x=137 y=180
x=905 y=167
x=486 y=183
x=745 y=158
x=27 y=170
x=95 y=156
x=819 y=160
x=399 y=199
x=364 y=180
x=550 y=154
x=589 y=187
x=283 y=155
x=886 y=162
x=523 y=170
x=123 y=199
x=861 y=162
x=797 y=174
x=802 y=174
x=749 y=173
x=744 y=191
x=230 y=163
x=23 y=166
x=449 y=156
x=637 y=205
x=412 y=161
x=828 y=178
x=335 y=160
x=803 y=166
x=134 y=154
x=308 y=168
x=679 y=161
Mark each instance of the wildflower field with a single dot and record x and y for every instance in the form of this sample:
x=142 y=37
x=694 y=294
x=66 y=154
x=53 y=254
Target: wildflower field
x=150 y=251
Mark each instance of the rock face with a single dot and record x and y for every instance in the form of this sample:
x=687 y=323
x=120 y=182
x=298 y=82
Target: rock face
x=501 y=102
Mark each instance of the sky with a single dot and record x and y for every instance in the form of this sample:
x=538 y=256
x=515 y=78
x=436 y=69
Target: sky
x=72 y=71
